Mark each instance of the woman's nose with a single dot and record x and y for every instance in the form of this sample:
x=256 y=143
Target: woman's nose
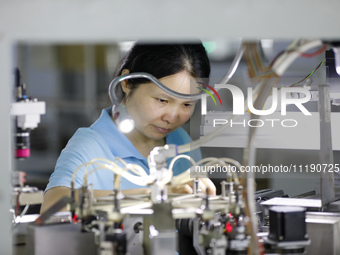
x=171 y=115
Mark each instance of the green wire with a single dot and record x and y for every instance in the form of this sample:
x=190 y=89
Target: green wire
x=209 y=94
x=309 y=75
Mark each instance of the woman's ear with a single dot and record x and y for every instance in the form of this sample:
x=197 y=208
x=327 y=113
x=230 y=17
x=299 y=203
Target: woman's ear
x=125 y=84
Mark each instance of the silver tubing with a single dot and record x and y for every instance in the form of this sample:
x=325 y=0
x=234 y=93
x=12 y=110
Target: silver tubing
x=234 y=65
x=153 y=79
x=326 y=151
x=171 y=92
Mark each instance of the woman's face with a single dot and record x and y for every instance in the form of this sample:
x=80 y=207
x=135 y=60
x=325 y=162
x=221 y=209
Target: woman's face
x=155 y=112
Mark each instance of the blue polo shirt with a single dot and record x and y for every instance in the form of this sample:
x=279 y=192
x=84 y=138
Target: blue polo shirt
x=104 y=140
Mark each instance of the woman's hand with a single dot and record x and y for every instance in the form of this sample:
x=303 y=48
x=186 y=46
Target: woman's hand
x=204 y=184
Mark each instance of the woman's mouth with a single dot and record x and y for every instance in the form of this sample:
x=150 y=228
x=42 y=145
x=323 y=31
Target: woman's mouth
x=162 y=130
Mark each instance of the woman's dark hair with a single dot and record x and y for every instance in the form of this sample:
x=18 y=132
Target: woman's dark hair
x=161 y=60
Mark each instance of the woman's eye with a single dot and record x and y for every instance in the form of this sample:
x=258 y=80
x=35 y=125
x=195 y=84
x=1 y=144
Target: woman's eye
x=190 y=104
x=162 y=100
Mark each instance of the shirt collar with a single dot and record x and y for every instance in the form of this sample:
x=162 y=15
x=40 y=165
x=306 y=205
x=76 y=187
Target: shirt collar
x=118 y=143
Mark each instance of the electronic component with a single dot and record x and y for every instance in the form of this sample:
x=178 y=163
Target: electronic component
x=287 y=230
x=27 y=115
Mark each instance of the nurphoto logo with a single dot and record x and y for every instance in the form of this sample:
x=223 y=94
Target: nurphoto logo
x=280 y=99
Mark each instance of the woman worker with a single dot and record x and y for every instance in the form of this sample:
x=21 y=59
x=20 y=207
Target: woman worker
x=158 y=118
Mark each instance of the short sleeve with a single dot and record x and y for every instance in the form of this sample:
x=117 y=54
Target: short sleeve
x=84 y=146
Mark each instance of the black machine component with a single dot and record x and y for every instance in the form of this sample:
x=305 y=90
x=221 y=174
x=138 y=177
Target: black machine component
x=119 y=242
x=262 y=214
x=287 y=230
x=185 y=236
x=332 y=75
x=287 y=223
x=22 y=136
x=333 y=70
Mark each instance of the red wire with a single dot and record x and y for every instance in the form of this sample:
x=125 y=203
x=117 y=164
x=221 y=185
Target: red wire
x=313 y=54
x=219 y=98
x=261 y=248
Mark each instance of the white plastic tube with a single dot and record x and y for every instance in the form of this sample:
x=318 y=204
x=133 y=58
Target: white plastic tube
x=141 y=178
x=284 y=61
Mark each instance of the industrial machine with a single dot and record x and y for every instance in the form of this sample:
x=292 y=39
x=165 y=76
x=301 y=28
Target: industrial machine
x=25 y=199
x=26 y=112
x=238 y=221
